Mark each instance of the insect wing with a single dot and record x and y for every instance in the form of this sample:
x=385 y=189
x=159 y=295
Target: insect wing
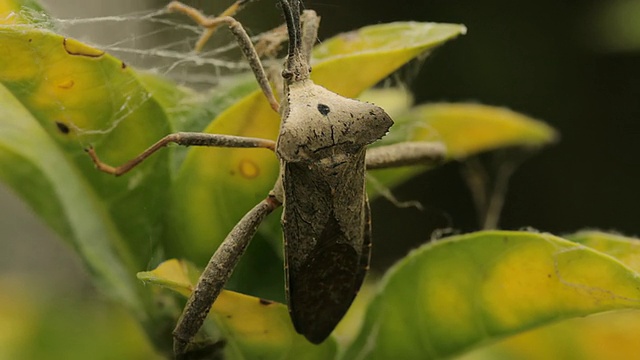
x=327 y=241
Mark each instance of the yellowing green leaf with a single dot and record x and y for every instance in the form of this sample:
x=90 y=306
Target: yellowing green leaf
x=216 y=186
x=471 y=128
x=251 y=327
x=465 y=129
x=351 y=62
x=171 y=274
x=625 y=249
x=612 y=335
x=459 y=293
x=59 y=96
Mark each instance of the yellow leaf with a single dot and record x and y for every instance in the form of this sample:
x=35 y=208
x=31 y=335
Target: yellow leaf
x=472 y=128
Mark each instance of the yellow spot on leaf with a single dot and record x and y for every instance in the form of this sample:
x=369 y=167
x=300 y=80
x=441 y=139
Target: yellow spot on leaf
x=67 y=84
x=70 y=88
x=518 y=289
x=248 y=169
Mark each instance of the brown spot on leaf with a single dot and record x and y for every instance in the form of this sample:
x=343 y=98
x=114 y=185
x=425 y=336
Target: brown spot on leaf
x=63 y=127
x=76 y=48
x=265 y=302
x=124 y=65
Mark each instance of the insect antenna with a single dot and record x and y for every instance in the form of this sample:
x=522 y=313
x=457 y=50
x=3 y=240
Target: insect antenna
x=291 y=11
x=296 y=67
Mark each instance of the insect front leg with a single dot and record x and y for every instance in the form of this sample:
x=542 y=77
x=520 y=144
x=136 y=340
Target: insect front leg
x=232 y=10
x=405 y=154
x=217 y=272
x=186 y=139
x=402 y=154
x=244 y=41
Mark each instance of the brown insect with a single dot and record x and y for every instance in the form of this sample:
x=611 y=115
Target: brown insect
x=322 y=148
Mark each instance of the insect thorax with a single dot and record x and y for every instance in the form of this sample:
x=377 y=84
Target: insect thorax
x=320 y=124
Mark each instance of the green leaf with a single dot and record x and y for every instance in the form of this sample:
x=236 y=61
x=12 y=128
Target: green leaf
x=58 y=97
x=456 y=294
x=250 y=327
x=624 y=249
x=351 y=62
x=49 y=324
x=191 y=110
x=612 y=335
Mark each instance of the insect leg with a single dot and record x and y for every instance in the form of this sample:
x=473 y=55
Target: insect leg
x=241 y=36
x=197 y=16
x=405 y=154
x=186 y=139
x=384 y=191
x=365 y=257
x=217 y=272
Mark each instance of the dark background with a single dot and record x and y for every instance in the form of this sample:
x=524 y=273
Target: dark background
x=573 y=64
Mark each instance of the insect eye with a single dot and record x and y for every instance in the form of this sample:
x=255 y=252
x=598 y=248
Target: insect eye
x=323 y=109
x=286 y=74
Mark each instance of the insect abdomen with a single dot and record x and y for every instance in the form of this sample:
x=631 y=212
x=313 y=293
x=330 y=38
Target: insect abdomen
x=326 y=241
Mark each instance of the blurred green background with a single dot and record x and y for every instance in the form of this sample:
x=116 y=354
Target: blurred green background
x=574 y=64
